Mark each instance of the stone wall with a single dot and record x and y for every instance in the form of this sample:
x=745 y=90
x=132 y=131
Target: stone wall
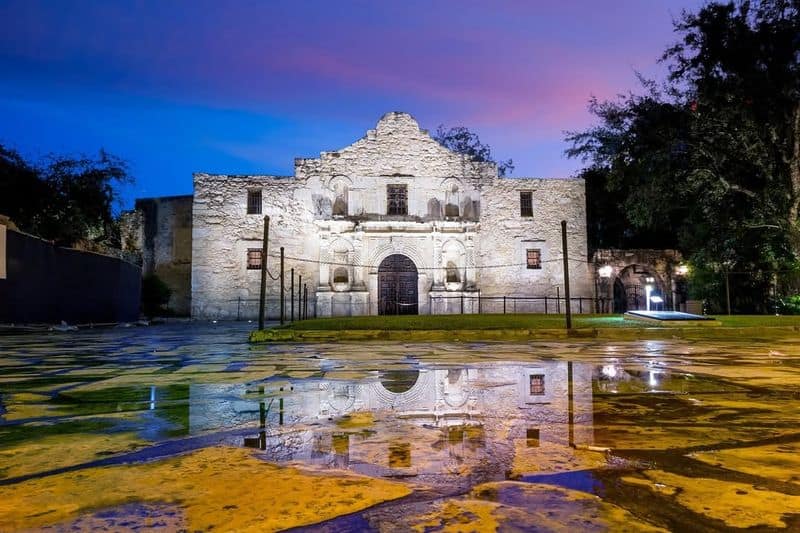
x=162 y=229
x=505 y=236
x=331 y=218
x=222 y=233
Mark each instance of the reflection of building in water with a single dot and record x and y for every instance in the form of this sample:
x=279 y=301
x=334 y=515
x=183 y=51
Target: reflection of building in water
x=428 y=421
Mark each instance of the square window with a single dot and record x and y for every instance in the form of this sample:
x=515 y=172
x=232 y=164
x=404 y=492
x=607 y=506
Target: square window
x=254 y=202
x=533 y=258
x=254 y=259
x=532 y=437
x=525 y=204
x=396 y=199
x=537 y=384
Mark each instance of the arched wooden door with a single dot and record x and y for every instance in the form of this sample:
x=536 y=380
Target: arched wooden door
x=397 y=286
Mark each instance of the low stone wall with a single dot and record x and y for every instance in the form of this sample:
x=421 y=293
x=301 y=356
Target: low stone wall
x=48 y=284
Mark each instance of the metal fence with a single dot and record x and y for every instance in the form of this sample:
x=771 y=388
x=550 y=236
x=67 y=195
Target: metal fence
x=247 y=309
x=479 y=304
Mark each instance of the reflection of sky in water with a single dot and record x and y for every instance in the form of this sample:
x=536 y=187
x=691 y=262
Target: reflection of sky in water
x=447 y=416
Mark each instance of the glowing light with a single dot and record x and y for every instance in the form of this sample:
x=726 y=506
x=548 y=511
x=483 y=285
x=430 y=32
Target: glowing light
x=610 y=371
x=653 y=380
x=682 y=270
x=605 y=271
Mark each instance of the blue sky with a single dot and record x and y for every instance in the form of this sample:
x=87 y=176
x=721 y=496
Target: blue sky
x=245 y=87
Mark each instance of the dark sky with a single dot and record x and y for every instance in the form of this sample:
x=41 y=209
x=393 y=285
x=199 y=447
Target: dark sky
x=244 y=87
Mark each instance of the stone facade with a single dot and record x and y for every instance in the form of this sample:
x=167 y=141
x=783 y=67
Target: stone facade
x=462 y=228
x=161 y=229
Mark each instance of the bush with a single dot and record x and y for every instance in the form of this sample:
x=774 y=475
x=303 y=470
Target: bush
x=790 y=305
x=155 y=295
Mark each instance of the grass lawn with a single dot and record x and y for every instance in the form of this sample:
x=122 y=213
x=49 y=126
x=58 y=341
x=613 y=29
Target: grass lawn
x=520 y=321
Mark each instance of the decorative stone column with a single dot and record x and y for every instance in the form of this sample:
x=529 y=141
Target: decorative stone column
x=438 y=273
x=471 y=281
x=324 y=264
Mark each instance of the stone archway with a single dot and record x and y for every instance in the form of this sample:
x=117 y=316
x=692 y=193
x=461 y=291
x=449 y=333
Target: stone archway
x=620 y=277
x=629 y=288
x=397 y=286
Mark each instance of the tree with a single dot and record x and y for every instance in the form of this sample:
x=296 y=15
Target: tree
x=462 y=141
x=63 y=199
x=713 y=156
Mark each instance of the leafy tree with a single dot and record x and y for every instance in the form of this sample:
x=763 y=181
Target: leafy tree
x=462 y=141
x=712 y=158
x=63 y=199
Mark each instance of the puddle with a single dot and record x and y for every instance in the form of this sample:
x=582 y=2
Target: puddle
x=595 y=436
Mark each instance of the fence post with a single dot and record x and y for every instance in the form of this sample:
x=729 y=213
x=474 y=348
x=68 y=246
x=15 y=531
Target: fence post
x=480 y=307
x=305 y=301
x=291 y=298
x=299 y=297
x=238 y=308
x=580 y=305
x=504 y=304
x=558 y=300
x=545 y=305
x=727 y=291
x=462 y=303
x=263 y=294
x=566 y=273
x=283 y=290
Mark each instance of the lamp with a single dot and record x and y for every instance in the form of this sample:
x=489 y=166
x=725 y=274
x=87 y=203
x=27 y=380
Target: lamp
x=648 y=290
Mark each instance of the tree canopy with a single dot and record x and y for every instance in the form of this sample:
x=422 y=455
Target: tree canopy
x=709 y=160
x=462 y=141
x=61 y=198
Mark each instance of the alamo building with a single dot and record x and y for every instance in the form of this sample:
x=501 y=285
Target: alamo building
x=395 y=223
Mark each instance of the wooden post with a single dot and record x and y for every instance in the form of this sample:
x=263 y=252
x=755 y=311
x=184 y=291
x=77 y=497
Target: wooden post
x=305 y=301
x=566 y=272
x=727 y=291
x=263 y=294
x=299 y=297
x=283 y=290
x=291 y=298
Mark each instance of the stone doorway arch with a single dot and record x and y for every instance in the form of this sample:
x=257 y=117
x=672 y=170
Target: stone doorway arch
x=620 y=278
x=629 y=288
x=397 y=286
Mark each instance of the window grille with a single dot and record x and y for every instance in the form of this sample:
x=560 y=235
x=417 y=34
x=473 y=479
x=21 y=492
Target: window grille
x=534 y=258
x=396 y=200
x=526 y=204
x=254 y=202
x=254 y=259
x=537 y=384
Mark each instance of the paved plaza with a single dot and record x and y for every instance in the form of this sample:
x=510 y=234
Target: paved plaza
x=188 y=426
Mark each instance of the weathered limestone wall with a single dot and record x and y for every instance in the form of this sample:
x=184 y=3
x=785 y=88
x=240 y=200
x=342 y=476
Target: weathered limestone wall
x=164 y=237
x=505 y=236
x=333 y=215
x=222 y=233
x=396 y=147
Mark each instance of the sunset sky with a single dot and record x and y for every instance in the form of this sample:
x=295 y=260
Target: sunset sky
x=244 y=87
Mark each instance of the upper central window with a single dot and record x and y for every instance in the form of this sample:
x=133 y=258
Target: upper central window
x=396 y=199
x=525 y=204
x=254 y=202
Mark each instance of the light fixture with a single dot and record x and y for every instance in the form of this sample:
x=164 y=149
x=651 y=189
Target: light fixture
x=648 y=290
x=682 y=270
x=605 y=271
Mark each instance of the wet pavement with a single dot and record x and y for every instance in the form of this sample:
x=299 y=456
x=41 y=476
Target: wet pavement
x=187 y=427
